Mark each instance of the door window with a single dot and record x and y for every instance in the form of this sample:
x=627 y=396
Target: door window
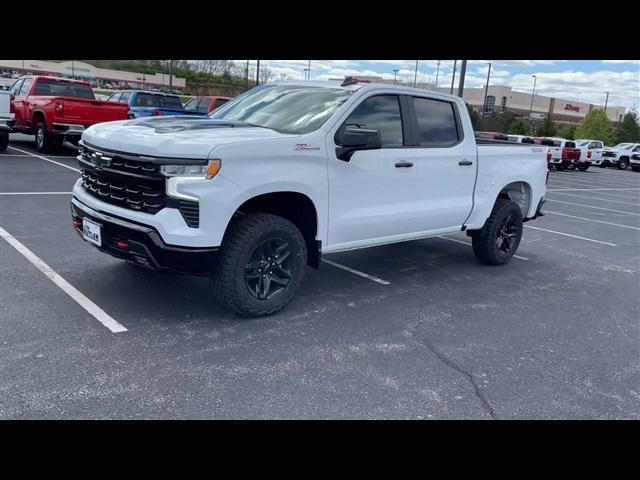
x=25 y=86
x=380 y=112
x=436 y=122
x=15 y=88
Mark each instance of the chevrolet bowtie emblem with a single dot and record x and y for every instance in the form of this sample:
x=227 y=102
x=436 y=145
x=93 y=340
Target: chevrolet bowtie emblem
x=99 y=160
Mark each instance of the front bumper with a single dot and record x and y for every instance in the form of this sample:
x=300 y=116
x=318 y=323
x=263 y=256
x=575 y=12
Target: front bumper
x=68 y=128
x=144 y=245
x=6 y=124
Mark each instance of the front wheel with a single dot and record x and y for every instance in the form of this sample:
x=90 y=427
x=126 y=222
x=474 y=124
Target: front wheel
x=262 y=261
x=499 y=239
x=623 y=164
x=4 y=141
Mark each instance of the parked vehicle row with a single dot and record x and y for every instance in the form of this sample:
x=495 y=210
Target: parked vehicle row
x=619 y=155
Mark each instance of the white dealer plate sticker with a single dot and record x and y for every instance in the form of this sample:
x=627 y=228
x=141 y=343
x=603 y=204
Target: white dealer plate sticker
x=91 y=232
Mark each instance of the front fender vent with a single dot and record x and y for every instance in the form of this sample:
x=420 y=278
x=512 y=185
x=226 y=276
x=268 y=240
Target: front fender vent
x=190 y=211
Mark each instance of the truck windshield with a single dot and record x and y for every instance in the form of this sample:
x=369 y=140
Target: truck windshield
x=157 y=101
x=286 y=109
x=55 y=88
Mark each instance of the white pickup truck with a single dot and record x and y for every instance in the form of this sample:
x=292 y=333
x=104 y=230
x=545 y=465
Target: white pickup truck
x=263 y=186
x=620 y=155
x=7 y=119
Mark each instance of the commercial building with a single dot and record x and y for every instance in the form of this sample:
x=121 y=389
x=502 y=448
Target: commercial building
x=99 y=77
x=503 y=98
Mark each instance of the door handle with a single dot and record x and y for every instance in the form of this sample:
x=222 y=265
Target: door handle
x=404 y=164
x=465 y=162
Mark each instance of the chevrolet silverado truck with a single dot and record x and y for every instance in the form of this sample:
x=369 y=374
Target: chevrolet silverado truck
x=590 y=152
x=6 y=119
x=147 y=103
x=620 y=155
x=634 y=161
x=57 y=109
x=285 y=173
x=564 y=154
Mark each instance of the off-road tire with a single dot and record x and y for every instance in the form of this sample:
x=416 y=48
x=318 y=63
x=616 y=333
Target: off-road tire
x=485 y=241
x=4 y=141
x=244 y=235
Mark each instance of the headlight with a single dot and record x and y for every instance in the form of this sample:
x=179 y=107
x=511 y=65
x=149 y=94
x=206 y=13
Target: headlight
x=206 y=171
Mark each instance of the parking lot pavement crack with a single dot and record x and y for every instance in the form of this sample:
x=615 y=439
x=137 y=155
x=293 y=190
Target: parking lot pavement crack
x=468 y=375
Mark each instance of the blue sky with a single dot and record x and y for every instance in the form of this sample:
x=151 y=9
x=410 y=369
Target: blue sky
x=579 y=80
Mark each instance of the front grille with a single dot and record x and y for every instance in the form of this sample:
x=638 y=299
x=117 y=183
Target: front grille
x=129 y=183
x=608 y=154
x=635 y=156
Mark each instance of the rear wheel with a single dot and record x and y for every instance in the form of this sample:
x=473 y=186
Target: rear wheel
x=262 y=261
x=623 y=164
x=499 y=239
x=45 y=141
x=583 y=167
x=4 y=141
x=559 y=167
x=571 y=166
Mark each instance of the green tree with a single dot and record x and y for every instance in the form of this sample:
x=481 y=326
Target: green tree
x=475 y=117
x=547 y=128
x=568 y=132
x=596 y=126
x=628 y=130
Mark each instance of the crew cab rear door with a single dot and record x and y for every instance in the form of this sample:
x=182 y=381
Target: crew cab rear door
x=596 y=148
x=410 y=186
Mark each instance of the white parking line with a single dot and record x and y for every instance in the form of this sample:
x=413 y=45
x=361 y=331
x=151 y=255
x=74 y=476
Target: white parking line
x=591 y=206
x=589 y=189
x=596 y=183
x=36 y=193
x=596 y=198
x=69 y=289
x=45 y=159
x=592 y=220
x=357 y=272
x=572 y=236
x=469 y=244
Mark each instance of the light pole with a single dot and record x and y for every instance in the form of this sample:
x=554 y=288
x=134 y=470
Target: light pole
x=415 y=76
x=170 y=76
x=463 y=71
x=395 y=72
x=73 y=72
x=453 y=77
x=533 y=95
x=437 y=73
x=605 y=103
x=486 y=90
x=309 y=70
x=258 y=72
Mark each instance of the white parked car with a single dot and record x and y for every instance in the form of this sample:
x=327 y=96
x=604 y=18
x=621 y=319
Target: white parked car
x=590 y=151
x=268 y=183
x=619 y=155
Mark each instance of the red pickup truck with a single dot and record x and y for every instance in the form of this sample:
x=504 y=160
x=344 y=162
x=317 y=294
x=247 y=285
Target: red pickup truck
x=55 y=109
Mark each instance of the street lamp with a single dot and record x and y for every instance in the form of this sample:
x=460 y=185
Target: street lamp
x=486 y=90
x=605 y=103
x=437 y=73
x=309 y=70
x=453 y=77
x=533 y=95
x=415 y=76
x=395 y=72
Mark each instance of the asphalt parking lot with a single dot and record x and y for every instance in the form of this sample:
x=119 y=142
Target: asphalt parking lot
x=419 y=330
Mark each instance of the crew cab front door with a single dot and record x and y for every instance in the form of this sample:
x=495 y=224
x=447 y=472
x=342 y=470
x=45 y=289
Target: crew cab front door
x=402 y=190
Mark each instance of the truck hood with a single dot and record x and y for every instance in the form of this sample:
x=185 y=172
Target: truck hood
x=185 y=136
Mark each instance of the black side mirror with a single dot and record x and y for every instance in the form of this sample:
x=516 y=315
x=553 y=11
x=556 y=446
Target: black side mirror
x=354 y=139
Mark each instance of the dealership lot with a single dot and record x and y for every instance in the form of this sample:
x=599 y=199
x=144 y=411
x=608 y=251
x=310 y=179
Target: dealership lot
x=414 y=330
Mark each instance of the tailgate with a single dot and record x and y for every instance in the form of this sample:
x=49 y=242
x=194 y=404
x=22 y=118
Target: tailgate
x=89 y=111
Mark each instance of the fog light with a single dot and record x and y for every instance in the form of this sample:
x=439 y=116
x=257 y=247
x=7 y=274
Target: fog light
x=77 y=222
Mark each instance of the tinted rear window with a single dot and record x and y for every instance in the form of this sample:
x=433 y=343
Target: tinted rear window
x=63 y=89
x=436 y=122
x=157 y=101
x=570 y=145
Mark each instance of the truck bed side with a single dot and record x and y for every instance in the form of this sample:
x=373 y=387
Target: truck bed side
x=520 y=168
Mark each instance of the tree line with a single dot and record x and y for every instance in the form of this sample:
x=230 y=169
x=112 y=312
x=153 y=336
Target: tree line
x=595 y=126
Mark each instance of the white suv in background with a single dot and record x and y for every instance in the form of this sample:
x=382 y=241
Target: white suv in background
x=620 y=155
